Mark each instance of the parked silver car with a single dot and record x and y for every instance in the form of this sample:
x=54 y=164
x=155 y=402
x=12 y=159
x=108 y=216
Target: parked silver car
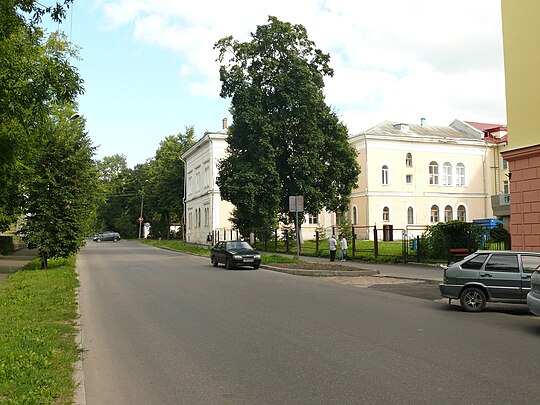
x=533 y=298
x=490 y=276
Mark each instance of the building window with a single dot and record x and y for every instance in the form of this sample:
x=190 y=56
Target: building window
x=448 y=213
x=384 y=173
x=460 y=174
x=461 y=213
x=313 y=219
x=434 y=214
x=433 y=173
x=447 y=174
x=408 y=178
x=506 y=187
x=408 y=160
x=410 y=215
x=354 y=215
x=386 y=214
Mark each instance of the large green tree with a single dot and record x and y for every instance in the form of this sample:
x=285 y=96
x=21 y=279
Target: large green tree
x=61 y=191
x=34 y=73
x=284 y=140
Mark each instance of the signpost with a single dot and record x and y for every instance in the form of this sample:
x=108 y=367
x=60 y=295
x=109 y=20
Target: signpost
x=296 y=204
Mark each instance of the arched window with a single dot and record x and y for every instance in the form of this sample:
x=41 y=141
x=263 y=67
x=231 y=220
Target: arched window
x=448 y=213
x=410 y=216
x=460 y=174
x=433 y=173
x=386 y=214
x=384 y=173
x=447 y=174
x=434 y=214
x=354 y=215
x=461 y=213
x=408 y=160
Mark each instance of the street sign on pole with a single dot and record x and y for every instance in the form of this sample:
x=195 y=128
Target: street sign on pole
x=296 y=204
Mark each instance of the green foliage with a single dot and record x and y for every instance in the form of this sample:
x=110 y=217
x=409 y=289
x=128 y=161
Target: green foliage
x=37 y=325
x=6 y=245
x=284 y=140
x=61 y=189
x=35 y=73
x=499 y=234
x=452 y=234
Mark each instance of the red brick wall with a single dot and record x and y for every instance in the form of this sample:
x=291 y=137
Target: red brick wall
x=524 y=166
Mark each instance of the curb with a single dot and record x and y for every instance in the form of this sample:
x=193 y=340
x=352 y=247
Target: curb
x=322 y=273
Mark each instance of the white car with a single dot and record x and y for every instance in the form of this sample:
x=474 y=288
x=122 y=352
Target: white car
x=533 y=297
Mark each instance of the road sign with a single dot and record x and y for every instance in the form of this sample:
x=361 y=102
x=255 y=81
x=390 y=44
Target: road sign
x=296 y=203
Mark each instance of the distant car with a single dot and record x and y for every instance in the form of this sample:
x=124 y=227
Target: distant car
x=235 y=254
x=107 y=236
x=490 y=276
x=533 y=298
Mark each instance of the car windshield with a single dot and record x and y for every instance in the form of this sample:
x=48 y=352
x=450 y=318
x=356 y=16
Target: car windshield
x=238 y=245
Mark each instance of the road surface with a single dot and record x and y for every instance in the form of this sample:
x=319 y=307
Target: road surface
x=166 y=327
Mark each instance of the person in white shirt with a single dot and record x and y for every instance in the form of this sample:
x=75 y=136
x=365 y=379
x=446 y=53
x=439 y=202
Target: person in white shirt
x=332 y=245
x=343 y=245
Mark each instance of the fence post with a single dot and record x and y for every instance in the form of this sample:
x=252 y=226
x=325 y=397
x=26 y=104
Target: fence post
x=353 y=241
x=375 y=241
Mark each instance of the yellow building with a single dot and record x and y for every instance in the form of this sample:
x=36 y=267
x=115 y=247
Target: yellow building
x=521 y=38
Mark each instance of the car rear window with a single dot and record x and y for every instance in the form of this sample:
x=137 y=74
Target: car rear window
x=475 y=263
x=530 y=263
x=503 y=263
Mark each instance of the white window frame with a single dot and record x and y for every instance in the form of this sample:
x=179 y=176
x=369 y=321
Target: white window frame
x=460 y=174
x=434 y=214
x=447 y=174
x=433 y=171
x=385 y=175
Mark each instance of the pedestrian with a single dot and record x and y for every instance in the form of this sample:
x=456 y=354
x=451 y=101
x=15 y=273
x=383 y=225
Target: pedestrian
x=332 y=244
x=343 y=245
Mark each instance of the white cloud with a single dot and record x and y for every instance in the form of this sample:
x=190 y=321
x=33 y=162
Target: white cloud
x=393 y=59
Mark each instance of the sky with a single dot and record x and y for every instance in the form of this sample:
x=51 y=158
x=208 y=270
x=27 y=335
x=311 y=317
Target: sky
x=150 y=70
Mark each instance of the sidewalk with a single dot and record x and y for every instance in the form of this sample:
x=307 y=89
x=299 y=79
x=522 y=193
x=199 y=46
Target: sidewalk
x=15 y=261
x=401 y=270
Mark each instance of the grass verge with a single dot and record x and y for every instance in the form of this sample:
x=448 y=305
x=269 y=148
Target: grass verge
x=204 y=251
x=38 y=312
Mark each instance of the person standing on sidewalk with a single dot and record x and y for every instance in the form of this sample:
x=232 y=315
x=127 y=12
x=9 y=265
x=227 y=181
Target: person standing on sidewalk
x=332 y=244
x=343 y=245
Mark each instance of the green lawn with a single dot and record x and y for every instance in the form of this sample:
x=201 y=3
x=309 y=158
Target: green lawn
x=37 y=329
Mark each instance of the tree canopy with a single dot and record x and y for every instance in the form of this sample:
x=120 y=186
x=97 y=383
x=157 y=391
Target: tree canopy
x=284 y=139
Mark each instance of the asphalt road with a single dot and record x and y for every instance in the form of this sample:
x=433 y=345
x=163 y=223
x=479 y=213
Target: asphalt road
x=164 y=327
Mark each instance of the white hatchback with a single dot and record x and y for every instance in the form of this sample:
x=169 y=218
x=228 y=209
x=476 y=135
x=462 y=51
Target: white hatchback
x=533 y=297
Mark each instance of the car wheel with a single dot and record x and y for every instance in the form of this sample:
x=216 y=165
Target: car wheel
x=214 y=261
x=228 y=264
x=473 y=300
x=255 y=267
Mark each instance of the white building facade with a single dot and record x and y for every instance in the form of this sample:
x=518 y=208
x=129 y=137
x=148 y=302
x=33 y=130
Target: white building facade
x=205 y=212
x=411 y=176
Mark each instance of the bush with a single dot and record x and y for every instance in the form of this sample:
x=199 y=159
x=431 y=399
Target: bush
x=6 y=245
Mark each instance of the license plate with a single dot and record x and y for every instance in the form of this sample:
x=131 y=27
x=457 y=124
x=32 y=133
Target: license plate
x=248 y=260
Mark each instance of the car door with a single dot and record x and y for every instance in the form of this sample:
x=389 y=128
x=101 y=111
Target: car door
x=220 y=252
x=502 y=276
x=529 y=263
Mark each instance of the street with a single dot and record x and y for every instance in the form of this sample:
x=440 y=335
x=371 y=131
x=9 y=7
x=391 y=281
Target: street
x=166 y=327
